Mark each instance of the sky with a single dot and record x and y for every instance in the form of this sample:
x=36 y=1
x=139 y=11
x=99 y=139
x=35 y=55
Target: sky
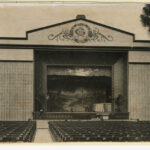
x=17 y=18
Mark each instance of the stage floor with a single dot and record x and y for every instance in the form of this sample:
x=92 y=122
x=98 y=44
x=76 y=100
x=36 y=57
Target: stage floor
x=79 y=115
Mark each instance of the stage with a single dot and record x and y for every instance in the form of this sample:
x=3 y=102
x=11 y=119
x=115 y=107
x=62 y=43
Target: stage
x=79 y=115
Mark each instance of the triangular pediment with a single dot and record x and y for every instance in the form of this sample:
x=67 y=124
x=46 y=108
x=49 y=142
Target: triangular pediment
x=77 y=32
x=80 y=32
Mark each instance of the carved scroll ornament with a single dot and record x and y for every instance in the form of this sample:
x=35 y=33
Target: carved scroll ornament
x=80 y=33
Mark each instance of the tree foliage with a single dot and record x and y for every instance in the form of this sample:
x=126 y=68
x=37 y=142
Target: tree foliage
x=145 y=17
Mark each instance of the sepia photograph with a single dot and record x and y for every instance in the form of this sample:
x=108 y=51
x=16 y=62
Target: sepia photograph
x=74 y=72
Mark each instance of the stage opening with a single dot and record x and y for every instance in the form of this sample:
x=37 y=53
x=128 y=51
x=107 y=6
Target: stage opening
x=79 y=89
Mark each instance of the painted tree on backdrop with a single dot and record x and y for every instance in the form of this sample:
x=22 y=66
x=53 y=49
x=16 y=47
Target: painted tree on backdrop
x=145 y=16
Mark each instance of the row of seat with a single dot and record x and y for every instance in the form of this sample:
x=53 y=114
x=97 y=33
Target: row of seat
x=100 y=131
x=14 y=131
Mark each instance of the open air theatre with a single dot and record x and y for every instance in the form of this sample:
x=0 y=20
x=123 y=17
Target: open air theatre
x=89 y=80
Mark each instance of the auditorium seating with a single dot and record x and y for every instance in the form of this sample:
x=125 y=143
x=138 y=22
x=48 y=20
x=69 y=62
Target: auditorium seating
x=15 y=131
x=116 y=131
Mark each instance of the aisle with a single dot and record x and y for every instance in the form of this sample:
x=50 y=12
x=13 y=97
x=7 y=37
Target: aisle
x=42 y=133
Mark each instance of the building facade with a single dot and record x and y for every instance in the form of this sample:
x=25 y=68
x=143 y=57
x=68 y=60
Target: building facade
x=87 y=62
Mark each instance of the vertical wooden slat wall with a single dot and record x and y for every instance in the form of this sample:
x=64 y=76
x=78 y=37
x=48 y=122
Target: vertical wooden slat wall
x=139 y=85
x=120 y=81
x=139 y=91
x=16 y=90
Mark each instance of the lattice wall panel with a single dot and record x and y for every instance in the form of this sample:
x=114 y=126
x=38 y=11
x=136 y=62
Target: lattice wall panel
x=16 y=90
